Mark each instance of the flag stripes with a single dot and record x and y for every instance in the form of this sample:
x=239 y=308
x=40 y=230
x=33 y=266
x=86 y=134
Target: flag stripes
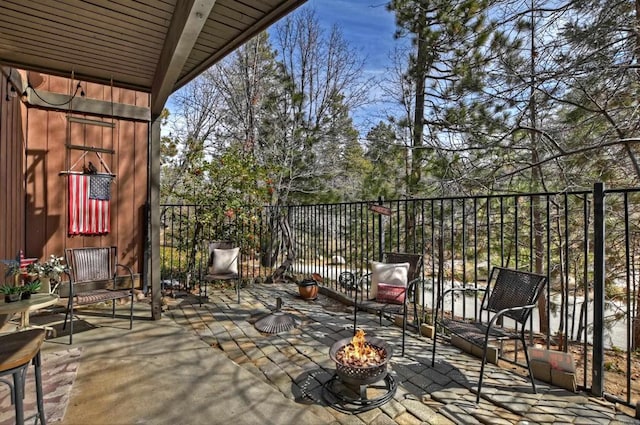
x=87 y=216
x=24 y=262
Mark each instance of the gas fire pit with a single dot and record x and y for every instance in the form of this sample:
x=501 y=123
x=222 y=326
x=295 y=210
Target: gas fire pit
x=361 y=370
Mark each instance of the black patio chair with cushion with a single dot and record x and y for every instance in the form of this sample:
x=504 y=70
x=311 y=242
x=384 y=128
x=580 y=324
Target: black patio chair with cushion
x=510 y=294
x=222 y=264
x=93 y=274
x=390 y=287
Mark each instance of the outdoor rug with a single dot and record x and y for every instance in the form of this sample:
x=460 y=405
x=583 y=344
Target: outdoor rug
x=59 y=371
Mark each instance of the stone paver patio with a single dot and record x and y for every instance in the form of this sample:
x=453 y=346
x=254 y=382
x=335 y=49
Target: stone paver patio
x=297 y=363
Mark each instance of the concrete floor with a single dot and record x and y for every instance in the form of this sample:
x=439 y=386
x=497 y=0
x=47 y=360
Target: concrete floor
x=161 y=373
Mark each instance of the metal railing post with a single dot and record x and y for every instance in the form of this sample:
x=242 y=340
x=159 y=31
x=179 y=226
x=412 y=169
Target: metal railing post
x=597 y=371
x=381 y=241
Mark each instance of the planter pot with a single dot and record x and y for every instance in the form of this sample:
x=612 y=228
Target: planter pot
x=308 y=289
x=10 y=298
x=25 y=296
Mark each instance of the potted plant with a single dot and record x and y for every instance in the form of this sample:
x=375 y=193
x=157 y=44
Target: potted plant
x=11 y=292
x=308 y=287
x=47 y=271
x=12 y=289
x=30 y=288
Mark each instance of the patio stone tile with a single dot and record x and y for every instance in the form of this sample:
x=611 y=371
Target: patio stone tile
x=235 y=333
x=370 y=415
x=540 y=417
x=393 y=408
x=507 y=415
x=409 y=388
x=322 y=375
x=307 y=383
x=621 y=419
x=323 y=413
x=401 y=371
x=268 y=349
x=237 y=357
x=454 y=376
x=218 y=328
x=420 y=380
x=246 y=344
x=407 y=418
x=269 y=368
x=259 y=363
x=287 y=388
x=590 y=421
x=588 y=411
x=289 y=351
x=441 y=367
x=300 y=361
x=292 y=370
x=457 y=415
x=251 y=332
x=278 y=357
x=306 y=349
x=432 y=388
x=296 y=362
x=514 y=406
x=346 y=419
x=439 y=378
x=420 y=410
x=229 y=346
x=255 y=371
x=382 y=419
x=309 y=366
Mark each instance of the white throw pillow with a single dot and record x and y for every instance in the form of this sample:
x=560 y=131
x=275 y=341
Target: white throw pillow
x=225 y=261
x=392 y=274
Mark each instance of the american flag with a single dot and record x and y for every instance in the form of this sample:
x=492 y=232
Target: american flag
x=89 y=209
x=24 y=262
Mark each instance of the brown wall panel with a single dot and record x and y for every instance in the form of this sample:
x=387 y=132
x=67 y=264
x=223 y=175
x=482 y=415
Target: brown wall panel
x=49 y=131
x=12 y=195
x=38 y=161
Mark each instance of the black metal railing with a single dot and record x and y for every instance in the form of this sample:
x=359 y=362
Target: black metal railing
x=590 y=305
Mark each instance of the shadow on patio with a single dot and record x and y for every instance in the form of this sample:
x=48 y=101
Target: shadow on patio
x=298 y=365
x=208 y=364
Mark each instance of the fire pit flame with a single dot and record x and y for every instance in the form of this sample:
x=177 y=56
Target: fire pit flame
x=360 y=353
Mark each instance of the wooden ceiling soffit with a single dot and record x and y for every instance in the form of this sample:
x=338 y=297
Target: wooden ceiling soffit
x=187 y=24
x=283 y=9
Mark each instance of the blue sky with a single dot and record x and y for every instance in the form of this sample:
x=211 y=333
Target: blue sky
x=366 y=25
x=368 y=28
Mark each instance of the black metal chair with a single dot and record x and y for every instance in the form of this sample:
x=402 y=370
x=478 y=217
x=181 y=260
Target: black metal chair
x=92 y=279
x=222 y=264
x=394 y=305
x=509 y=293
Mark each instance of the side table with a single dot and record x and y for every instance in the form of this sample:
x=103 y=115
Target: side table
x=36 y=302
x=17 y=350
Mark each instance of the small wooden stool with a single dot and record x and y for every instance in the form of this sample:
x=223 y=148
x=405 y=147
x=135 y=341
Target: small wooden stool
x=17 y=350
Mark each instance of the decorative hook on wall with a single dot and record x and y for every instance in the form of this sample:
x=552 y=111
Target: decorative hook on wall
x=11 y=90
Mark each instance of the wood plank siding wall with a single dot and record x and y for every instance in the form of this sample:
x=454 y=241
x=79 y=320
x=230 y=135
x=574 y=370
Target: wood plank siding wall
x=12 y=188
x=48 y=133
